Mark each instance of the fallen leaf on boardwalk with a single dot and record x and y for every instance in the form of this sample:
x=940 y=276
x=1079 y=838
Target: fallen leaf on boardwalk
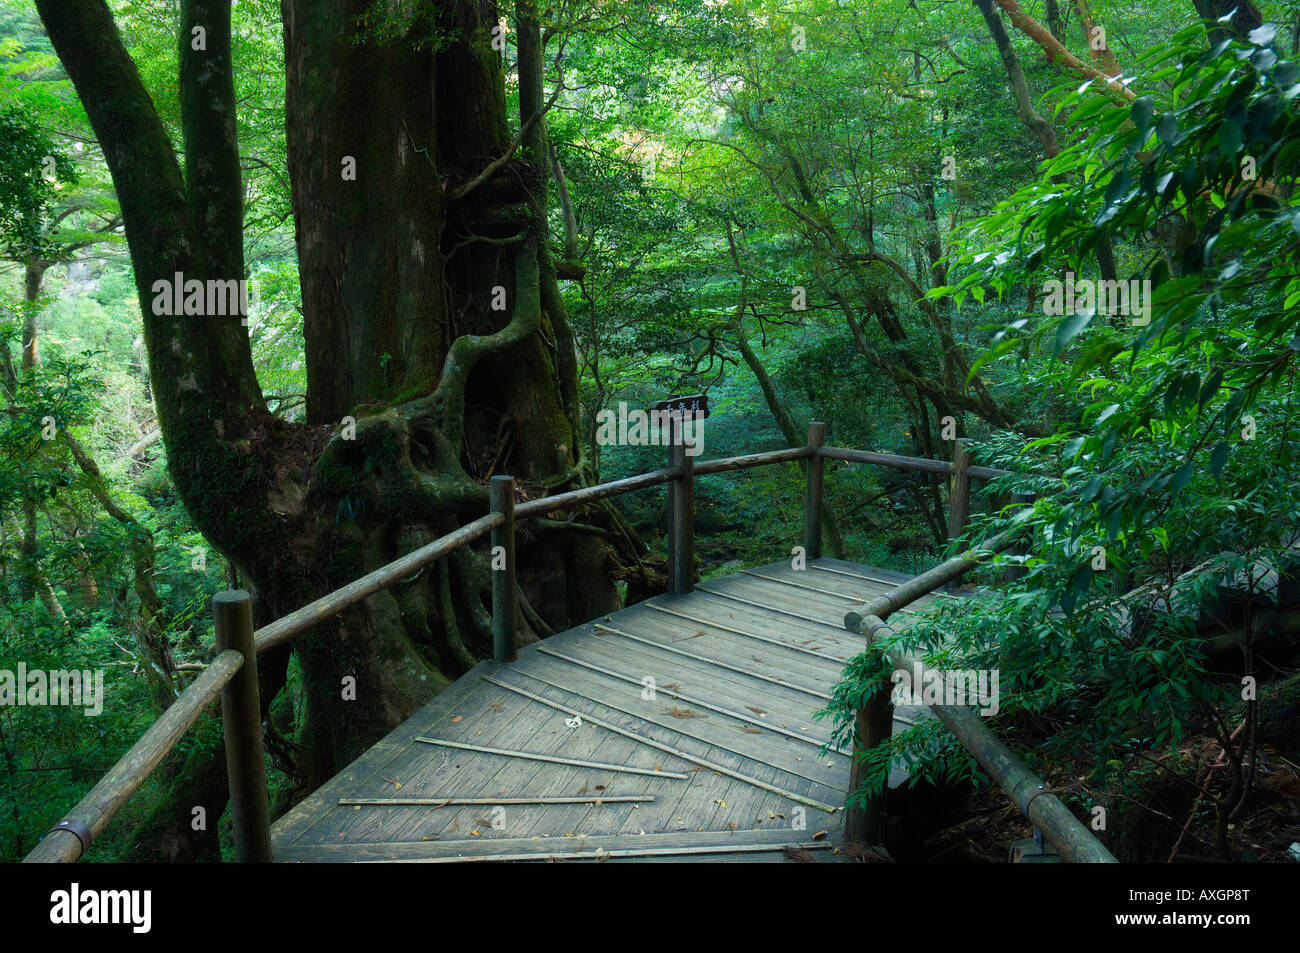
x=458 y=718
x=756 y=658
x=719 y=801
x=599 y=787
x=483 y=820
x=733 y=826
x=687 y=637
x=752 y=731
x=396 y=785
x=819 y=835
x=475 y=832
x=775 y=816
x=497 y=706
x=683 y=713
x=756 y=711
x=671 y=686
x=356 y=807
x=428 y=837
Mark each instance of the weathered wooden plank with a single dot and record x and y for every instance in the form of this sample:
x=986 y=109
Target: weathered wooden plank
x=694 y=700
x=767 y=608
x=820 y=590
x=606 y=819
x=777 y=680
x=684 y=755
x=732 y=612
x=495 y=801
x=722 y=687
x=530 y=726
x=819 y=655
x=491 y=716
x=534 y=756
x=783 y=603
x=387 y=853
x=747 y=739
x=313 y=809
x=764 y=748
x=541 y=847
x=730 y=627
x=845 y=585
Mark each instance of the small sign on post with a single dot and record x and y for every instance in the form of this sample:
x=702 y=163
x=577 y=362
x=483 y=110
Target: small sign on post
x=694 y=406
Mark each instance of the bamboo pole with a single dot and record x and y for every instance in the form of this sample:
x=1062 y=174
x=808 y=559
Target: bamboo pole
x=744 y=462
x=589 y=494
x=550 y=758
x=681 y=515
x=883 y=606
x=87 y=820
x=465 y=801
x=959 y=495
x=813 y=490
x=328 y=606
x=505 y=599
x=899 y=462
x=1070 y=836
x=241 y=719
x=865 y=823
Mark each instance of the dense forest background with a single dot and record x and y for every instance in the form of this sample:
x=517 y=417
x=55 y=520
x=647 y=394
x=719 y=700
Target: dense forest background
x=846 y=212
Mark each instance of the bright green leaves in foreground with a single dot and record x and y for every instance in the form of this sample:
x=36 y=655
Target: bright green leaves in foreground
x=1156 y=269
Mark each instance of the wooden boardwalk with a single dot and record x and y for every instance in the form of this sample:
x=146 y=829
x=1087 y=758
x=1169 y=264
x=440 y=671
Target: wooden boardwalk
x=722 y=763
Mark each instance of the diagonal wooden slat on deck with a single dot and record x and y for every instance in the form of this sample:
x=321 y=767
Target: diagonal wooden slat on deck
x=677 y=752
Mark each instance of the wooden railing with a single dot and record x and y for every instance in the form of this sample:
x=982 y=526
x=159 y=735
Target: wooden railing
x=232 y=675
x=1072 y=839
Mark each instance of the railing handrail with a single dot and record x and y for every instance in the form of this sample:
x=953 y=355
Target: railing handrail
x=87 y=819
x=1075 y=842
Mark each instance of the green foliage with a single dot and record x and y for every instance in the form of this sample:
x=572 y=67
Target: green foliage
x=32 y=169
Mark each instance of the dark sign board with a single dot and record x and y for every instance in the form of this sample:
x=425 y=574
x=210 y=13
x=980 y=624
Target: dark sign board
x=692 y=405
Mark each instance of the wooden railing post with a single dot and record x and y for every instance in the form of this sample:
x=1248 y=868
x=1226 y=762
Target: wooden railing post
x=864 y=824
x=241 y=718
x=959 y=498
x=812 y=492
x=505 y=599
x=681 y=512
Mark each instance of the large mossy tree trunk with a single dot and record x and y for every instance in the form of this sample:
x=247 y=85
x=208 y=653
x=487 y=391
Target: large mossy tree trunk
x=431 y=318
